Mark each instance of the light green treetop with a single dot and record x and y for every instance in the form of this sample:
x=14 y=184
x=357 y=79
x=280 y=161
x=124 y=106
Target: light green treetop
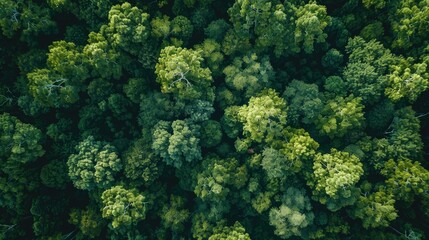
x=334 y=178
x=123 y=207
x=293 y=215
x=264 y=117
x=19 y=142
x=180 y=71
x=376 y=209
x=128 y=27
x=311 y=20
x=234 y=232
x=94 y=166
x=340 y=116
x=407 y=80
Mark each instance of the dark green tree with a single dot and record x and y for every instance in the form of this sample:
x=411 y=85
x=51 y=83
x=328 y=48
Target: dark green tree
x=177 y=142
x=249 y=75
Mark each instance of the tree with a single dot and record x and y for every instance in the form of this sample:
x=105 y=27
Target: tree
x=340 y=116
x=373 y=30
x=199 y=111
x=264 y=117
x=304 y=101
x=94 y=165
x=408 y=24
x=211 y=52
x=216 y=30
x=20 y=142
x=231 y=124
x=294 y=152
x=403 y=140
x=293 y=215
x=50 y=89
x=376 y=209
x=407 y=80
x=99 y=53
x=334 y=178
x=128 y=28
x=92 y=13
x=249 y=75
x=366 y=72
x=26 y=17
x=235 y=232
x=378 y=4
x=20 y=146
x=123 y=207
x=54 y=174
x=334 y=86
x=250 y=16
x=218 y=178
x=141 y=166
x=181 y=29
x=48 y=212
x=59 y=85
x=405 y=178
x=211 y=133
x=179 y=71
x=329 y=225
x=332 y=60
x=234 y=42
x=176 y=142
x=380 y=117
x=311 y=20
x=202 y=227
x=175 y=215
x=266 y=21
x=89 y=222
x=176 y=32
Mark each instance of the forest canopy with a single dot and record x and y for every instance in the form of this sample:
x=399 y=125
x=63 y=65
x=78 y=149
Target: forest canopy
x=203 y=119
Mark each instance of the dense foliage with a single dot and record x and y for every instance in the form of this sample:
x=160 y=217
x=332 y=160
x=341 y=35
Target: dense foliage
x=203 y=119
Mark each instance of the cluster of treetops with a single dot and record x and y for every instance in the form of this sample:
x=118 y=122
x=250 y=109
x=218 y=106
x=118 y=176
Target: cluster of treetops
x=204 y=119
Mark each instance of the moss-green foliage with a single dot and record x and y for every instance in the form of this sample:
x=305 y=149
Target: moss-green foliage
x=408 y=24
x=235 y=232
x=89 y=222
x=334 y=177
x=264 y=117
x=340 y=116
x=293 y=215
x=179 y=71
x=407 y=80
x=94 y=165
x=219 y=178
x=177 y=142
x=311 y=20
x=204 y=119
x=405 y=178
x=376 y=209
x=248 y=75
x=123 y=207
x=284 y=158
x=304 y=102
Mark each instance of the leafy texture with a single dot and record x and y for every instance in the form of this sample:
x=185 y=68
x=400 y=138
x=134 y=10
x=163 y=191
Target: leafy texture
x=94 y=166
x=123 y=207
